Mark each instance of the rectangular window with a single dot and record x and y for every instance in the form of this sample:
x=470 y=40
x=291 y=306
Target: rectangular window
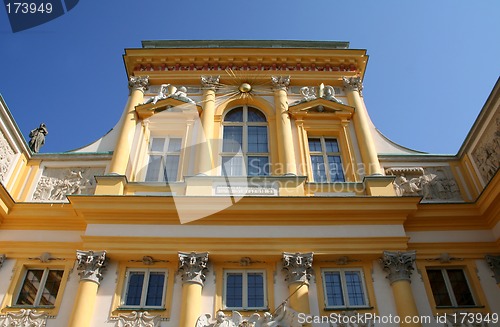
x=450 y=287
x=326 y=162
x=244 y=289
x=344 y=288
x=40 y=287
x=164 y=155
x=145 y=288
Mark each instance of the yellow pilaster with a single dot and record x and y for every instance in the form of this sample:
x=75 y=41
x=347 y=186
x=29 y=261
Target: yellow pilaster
x=206 y=162
x=123 y=146
x=362 y=125
x=399 y=266
x=192 y=267
x=298 y=267
x=284 y=127
x=90 y=265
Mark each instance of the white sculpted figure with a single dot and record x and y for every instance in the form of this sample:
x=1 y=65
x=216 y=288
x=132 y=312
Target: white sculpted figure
x=162 y=94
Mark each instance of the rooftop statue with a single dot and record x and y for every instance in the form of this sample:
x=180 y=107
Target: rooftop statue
x=37 y=136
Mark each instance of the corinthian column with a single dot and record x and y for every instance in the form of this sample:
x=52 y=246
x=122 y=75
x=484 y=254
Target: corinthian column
x=286 y=150
x=206 y=161
x=494 y=263
x=399 y=266
x=121 y=155
x=192 y=267
x=353 y=86
x=298 y=269
x=90 y=266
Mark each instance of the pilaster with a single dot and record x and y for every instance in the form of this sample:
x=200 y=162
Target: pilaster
x=298 y=269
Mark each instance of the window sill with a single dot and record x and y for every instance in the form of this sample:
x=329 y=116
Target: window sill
x=347 y=308
x=46 y=307
x=140 y=309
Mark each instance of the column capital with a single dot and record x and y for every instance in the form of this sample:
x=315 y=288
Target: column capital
x=494 y=263
x=138 y=82
x=209 y=82
x=298 y=267
x=193 y=267
x=353 y=83
x=399 y=265
x=280 y=82
x=91 y=265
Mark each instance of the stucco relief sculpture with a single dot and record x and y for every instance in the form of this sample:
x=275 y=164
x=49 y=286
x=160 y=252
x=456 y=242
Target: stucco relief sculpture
x=25 y=318
x=138 y=319
x=399 y=265
x=193 y=267
x=487 y=153
x=310 y=93
x=169 y=91
x=353 y=83
x=37 y=136
x=6 y=157
x=2 y=259
x=432 y=183
x=91 y=265
x=56 y=183
x=298 y=267
x=280 y=82
x=138 y=82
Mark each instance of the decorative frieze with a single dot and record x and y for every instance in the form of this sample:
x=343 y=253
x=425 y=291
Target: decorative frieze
x=298 y=267
x=193 y=267
x=486 y=154
x=91 y=265
x=353 y=83
x=280 y=82
x=56 y=183
x=25 y=318
x=7 y=156
x=209 y=82
x=138 y=83
x=399 y=265
x=494 y=263
x=138 y=319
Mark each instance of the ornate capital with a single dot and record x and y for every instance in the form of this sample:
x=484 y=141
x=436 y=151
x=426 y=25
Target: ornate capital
x=209 y=82
x=26 y=317
x=138 y=82
x=298 y=267
x=138 y=319
x=280 y=82
x=2 y=259
x=399 y=265
x=494 y=263
x=193 y=267
x=91 y=265
x=353 y=83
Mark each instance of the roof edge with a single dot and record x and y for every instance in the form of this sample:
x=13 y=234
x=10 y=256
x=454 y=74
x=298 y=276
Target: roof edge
x=287 y=44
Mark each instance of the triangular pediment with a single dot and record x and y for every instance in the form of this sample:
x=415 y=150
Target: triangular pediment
x=172 y=104
x=321 y=106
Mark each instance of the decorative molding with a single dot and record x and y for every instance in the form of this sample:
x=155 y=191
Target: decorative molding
x=280 y=82
x=91 y=265
x=341 y=261
x=45 y=257
x=138 y=82
x=209 y=82
x=25 y=318
x=7 y=156
x=193 y=267
x=169 y=91
x=353 y=83
x=445 y=258
x=138 y=319
x=399 y=265
x=148 y=260
x=310 y=93
x=2 y=259
x=298 y=267
x=486 y=154
x=245 y=261
x=494 y=263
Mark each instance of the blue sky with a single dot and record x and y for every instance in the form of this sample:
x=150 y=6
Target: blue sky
x=432 y=63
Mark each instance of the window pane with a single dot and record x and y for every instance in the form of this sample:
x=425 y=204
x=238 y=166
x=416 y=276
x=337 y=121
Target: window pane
x=333 y=287
x=318 y=169
x=354 y=286
x=233 y=138
x=257 y=139
x=171 y=168
x=157 y=144
x=51 y=287
x=438 y=286
x=255 y=283
x=154 y=168
x=315 y=145
x=331 y=145
x=174 y=145
x=232 y=166
x=134 y=289
x=335 y=165
x=255 y=115
x=235 y=115
x=258 y=166
x=460 y=287
x=30 y=287
x=154 y=297
x=234 y=290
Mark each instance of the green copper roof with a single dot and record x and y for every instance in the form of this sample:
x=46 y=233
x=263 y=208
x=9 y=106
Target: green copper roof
x=246 y=44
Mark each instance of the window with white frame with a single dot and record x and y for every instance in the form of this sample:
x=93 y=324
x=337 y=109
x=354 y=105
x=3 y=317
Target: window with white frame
x=144 y=288
x=326 y=161
x=245 y=289
x=245 y=149
x=450 y=287
x=344 y=288
x=164 y=155
x=40 y=287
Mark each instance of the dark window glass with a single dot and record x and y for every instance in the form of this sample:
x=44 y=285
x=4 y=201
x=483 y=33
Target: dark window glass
x=234 y=290
x=333 y=286
x=255 y=284
x=255 y=115
x=235 y=115
x=40 y=287
x=134 y=290
x=156 y=284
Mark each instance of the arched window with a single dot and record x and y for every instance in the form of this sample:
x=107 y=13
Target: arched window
x=245 y=149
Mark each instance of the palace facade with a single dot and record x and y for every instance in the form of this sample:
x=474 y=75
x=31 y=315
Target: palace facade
x=245 y=185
